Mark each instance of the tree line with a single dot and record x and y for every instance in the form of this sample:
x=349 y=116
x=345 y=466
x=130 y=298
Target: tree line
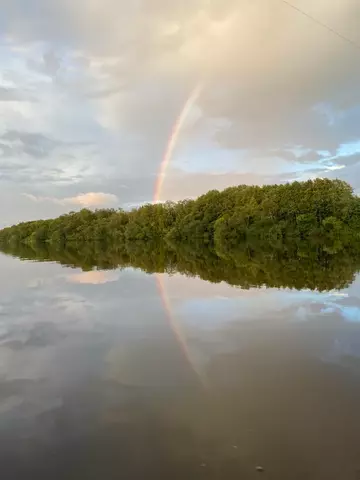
x=315 y=210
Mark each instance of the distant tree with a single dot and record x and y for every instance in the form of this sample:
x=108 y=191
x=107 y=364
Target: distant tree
x=320 y=208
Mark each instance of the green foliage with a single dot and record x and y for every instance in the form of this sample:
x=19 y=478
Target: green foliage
x=320 y=209
x=292 y=265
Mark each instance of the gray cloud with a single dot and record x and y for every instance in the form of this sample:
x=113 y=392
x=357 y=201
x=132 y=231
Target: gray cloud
x=7 y=94
x=48 y=65
x=350 y=175
x=14 y=95
x=34 y=160
x=105 y=92
x=5 y=150
x=350 y=160
x=34 y=144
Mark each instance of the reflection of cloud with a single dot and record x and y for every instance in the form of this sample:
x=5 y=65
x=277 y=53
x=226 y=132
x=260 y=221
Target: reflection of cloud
x=73 y=305
x=348 y=313
x=95 y=277
x=180 y=287
x=271 y=304
x=91 y=199
x=10 y=403
x=207 y=312
x=201 y=306
x=150 y=362
x=27 y=364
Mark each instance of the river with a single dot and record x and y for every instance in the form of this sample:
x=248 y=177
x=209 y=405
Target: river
x=122 y=374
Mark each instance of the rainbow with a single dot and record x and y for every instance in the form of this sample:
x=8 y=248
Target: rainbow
x=180 y=338
x=175 y=132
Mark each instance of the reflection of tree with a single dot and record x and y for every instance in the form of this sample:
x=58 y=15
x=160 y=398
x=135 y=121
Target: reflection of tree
x=292 y=265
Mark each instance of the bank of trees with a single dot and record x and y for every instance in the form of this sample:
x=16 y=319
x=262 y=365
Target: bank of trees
x=315 y=209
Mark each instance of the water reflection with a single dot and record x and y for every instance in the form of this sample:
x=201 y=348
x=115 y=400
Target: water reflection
x=94 y=277
x=293 y=265
x=103 y=377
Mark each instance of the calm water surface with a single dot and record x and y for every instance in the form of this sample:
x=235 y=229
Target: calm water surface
x=124 y=375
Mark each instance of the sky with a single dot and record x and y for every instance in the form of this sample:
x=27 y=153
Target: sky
x=90 y=92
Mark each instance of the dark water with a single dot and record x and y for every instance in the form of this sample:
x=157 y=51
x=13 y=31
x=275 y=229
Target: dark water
x=120 y=374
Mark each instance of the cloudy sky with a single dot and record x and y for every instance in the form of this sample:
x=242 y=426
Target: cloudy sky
x=90 y=91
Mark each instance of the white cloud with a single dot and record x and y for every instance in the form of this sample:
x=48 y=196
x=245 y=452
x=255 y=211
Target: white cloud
x=86 y=200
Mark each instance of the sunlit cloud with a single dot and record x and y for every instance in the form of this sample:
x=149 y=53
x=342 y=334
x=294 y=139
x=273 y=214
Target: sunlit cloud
x=86 y=200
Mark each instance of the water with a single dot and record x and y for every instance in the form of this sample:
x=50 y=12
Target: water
x=110 y=374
